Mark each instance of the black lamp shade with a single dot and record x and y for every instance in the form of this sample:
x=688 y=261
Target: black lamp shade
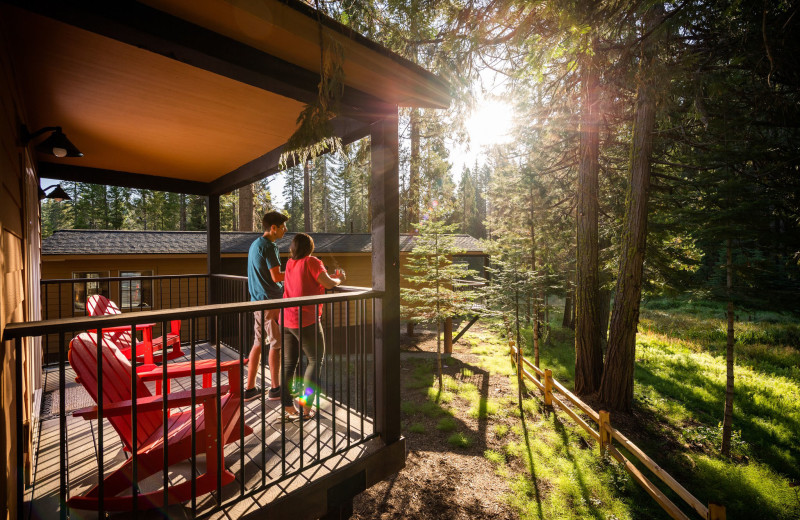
x=58 y=144
x=58 y=194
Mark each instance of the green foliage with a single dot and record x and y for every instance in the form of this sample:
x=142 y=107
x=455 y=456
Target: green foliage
x=433 y=295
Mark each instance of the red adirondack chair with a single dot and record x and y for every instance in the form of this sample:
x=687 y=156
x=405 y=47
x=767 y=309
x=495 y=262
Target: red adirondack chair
x=150 y=440
x=99 y=305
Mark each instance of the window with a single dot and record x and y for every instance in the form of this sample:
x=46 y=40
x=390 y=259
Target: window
x=136 y=294
x=85 y=289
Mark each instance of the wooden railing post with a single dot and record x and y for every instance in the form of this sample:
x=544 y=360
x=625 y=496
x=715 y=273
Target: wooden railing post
x=548 y=387
x=716 y=511
x=605 y=431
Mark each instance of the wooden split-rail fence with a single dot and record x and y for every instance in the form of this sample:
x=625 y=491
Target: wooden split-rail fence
x=606 y=434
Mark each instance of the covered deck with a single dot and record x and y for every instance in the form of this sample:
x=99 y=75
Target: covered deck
x=278 y=458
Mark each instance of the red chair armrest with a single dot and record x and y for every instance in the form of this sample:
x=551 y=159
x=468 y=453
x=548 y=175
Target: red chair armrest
x=152 y=403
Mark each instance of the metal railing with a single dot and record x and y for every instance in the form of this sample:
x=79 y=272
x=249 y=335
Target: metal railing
x=66 y=298
x=345 y=401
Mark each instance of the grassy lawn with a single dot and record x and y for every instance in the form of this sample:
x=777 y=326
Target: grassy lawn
x=679 y=393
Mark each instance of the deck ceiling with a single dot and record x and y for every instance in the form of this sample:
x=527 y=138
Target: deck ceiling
x=200 y=92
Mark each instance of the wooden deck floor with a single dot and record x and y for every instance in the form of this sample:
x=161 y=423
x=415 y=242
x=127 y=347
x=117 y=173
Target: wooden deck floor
x=330 y=441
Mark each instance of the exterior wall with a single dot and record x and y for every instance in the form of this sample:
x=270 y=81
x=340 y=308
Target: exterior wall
x=12 y=281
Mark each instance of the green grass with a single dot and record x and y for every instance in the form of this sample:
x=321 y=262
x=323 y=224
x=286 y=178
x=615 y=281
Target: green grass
x=417 y=428
x=446 y=424
x=679 y=389
x=495 y=457
x=459 y=440
x=546 y=460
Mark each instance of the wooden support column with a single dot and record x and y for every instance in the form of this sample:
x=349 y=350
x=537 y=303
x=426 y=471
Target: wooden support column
x=385 y=206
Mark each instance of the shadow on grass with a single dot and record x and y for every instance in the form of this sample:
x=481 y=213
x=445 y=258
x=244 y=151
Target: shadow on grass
x=424 y=377
x=699 y=393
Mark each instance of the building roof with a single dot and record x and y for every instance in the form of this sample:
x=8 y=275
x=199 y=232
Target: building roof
x=192 y=90
x=109 y=242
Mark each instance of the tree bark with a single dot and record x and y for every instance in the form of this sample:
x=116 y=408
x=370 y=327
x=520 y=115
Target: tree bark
x=448 y=335
x=567 y=310
x=604 y=310
x=413 y=173
x=616 y=387
x=588 y=352
x=246 y=208
x=727 y=421
x=183 y=213
x=307 y=227
x=534 y=291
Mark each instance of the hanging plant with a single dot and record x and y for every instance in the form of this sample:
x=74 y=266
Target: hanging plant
x=314 y=134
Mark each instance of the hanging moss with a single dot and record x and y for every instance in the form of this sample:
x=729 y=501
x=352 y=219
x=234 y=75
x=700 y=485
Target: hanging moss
x=314 y=135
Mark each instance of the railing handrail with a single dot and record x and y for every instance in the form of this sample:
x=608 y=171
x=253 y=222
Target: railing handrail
x=227 y=276
x=39 y=328
x=51 y=281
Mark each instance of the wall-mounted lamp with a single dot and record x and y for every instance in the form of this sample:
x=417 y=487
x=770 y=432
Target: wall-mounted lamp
x=58 y=194
x=57 y=144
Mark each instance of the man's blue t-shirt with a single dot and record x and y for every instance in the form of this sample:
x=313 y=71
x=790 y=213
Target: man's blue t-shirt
x=262 y=257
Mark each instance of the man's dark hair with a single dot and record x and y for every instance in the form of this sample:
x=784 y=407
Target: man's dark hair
x=273 y=218
x=302 y=245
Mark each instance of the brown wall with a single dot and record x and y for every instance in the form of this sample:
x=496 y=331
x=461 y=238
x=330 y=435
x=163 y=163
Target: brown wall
x=12 y=276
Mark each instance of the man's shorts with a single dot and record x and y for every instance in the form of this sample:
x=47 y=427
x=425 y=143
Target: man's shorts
x=271 y=327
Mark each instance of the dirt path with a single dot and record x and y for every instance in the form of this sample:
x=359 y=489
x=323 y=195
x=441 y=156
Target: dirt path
x=442 y=480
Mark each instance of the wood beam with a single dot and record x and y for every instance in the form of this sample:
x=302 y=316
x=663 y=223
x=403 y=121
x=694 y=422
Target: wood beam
x=385 y=207
x=349 y=130
x=68 y=172
x=142 y=26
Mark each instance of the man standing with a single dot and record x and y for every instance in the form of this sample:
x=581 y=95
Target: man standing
x=265 y=281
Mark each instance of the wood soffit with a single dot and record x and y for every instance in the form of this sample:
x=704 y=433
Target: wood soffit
x=197 y=97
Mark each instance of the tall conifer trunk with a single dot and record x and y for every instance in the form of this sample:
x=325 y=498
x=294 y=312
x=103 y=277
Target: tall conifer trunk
x=727 y=421
x=616 y=387
x=246 y=208
x=413 y=173
x=307 y=227
x=588 y=354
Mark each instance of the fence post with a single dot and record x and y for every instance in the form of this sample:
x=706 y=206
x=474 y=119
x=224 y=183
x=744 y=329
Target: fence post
x=716 y=511
x=605 y=431
x=548 y=387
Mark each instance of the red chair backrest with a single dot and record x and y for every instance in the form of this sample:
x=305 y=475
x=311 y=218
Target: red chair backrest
x=99 y=305
x=116 y=385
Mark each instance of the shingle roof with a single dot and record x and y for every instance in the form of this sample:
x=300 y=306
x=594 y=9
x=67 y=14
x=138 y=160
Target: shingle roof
x=107 y=242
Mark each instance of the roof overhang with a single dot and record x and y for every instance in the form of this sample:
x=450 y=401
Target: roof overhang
x=191 y=96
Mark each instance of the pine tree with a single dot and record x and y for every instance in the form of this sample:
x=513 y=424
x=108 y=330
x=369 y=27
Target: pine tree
x=434 y=296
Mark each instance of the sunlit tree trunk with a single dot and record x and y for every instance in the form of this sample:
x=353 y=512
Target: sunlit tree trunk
x=413 y=172
x=616 y=388
x=246 y=208
x=588 y=353
x=183 y=213
x=534 y=291
x=308 y=228
x=727 y=422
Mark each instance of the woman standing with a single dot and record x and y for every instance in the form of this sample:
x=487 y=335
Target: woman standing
x=305 y=276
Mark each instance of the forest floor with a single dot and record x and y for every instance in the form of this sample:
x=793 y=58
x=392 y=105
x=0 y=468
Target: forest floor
x=475 y=453
x=443 y=479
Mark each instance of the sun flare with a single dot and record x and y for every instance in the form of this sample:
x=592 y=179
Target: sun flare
x=490 y=124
